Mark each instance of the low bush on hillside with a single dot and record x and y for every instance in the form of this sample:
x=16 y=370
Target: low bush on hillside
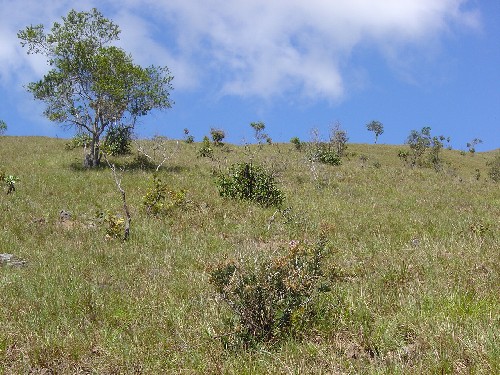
x=9 y=181
x=80 y=140
x=296 y=142
x=322 y=153
x=275 y=298
x=160 y=200
x=494 y=168
x=206 y=150
x=250 y=182
x=118 y=141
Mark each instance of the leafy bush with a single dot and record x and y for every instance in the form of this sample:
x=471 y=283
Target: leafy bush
x=275 y=298
x=420 y=142
x=250 y=182
x=472 y=145
x=338 y=140
x=9 y=181
x=322 y=153
x=260 y=136
x=159 y=200
x=118 y=141
x=80 y=140
x=189 y=138
x=296 y=142
x=376 y=127
x=3 y=127
x=115 y=225
x=218 y=136
x=403 y=155
x=494 y=168
x=206 y=150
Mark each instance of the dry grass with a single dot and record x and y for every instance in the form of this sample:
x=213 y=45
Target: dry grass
x=418 y=250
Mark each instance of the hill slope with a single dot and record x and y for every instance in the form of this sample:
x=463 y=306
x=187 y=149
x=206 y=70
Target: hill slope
x=416 y=252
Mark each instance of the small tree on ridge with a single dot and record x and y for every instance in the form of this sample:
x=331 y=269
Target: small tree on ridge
x=377 y=127
x=93 y=86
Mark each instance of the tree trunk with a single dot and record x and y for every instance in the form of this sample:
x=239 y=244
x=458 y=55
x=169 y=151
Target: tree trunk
x=93 y=158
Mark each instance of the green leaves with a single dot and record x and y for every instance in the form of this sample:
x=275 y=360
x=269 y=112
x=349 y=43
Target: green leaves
x=3 y=127
x=250 y=182
x=93 y=85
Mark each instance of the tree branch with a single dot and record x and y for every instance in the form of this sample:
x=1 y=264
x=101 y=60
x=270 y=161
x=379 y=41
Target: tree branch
x=118 y=182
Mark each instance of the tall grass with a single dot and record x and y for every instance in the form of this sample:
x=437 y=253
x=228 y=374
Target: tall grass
x=416 y=251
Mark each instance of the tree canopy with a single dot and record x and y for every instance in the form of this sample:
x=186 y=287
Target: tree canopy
x=377 y=127
x=93 y=85
x=3 y=127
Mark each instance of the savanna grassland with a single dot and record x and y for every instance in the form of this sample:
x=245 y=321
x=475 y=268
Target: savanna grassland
x=415 y=253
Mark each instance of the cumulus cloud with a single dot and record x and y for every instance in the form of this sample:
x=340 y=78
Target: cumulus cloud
x=254 y=48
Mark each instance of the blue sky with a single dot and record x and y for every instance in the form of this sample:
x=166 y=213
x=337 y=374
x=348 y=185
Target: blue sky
x=295 y=65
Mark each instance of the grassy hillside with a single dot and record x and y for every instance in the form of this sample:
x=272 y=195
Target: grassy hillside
x=416 y=253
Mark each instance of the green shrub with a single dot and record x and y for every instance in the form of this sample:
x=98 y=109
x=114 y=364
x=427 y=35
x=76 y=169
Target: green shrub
x=296 y=142
x=218 y=136
x=115 y=225
x=250 y=182
x=118 y=141
x=9 y=181
x=420 y=142
x=189 y=138
x=80 y=140
x=206 y=150
x=3 y=127
x=159 y=200
x=322 y=153
x=338 y=140
x=472 y=145
x=260 y=136
x=494 y=168
x=275 y=298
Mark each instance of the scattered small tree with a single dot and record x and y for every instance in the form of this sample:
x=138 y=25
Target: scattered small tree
x=93 y=85
x=189 y=137
x=339 y=139
x=218 y=136
x=3 y=127
x=377 y=127
x=260 y=136
x=420 y=142
x=472 y=145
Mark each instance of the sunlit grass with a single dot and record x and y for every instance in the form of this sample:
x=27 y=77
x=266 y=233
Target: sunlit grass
x=418 y=251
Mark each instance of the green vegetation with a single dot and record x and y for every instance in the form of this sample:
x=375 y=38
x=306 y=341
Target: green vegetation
x=425 y=148
x=206 y=150
x=472 y=145
x=407 y=280
x=376 y=127
x=3 y=127
x=78 y=91
x=494 y=168
x=275 y=298
x=218 y=136
x=251 y=182
x=260 y=136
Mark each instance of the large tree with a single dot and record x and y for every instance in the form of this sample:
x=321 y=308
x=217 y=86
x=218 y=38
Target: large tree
x=93 y=85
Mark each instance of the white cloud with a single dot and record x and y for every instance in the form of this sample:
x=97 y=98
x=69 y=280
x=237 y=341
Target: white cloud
x=268 y=48
x=250 y=48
